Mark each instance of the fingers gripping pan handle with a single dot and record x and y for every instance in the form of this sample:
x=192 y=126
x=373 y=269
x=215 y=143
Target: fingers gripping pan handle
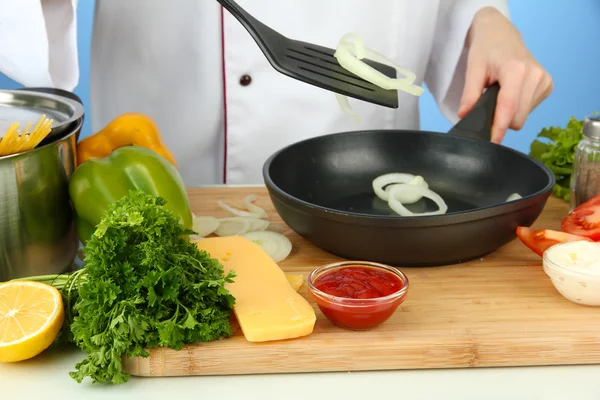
x=477 y=124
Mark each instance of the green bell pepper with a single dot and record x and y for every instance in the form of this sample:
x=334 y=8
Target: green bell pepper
x=97 y=183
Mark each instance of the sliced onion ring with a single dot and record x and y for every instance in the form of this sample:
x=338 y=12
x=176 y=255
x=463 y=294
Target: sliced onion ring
x=233 y=226
x=382 y=181
x=257 y=224
x=238 y=212
x=410 y=195
x=280 y=228
x=276 y=245
x=345 y=106
x=513 y=197
x=399 y=208
x=204 y=225
x=253 y=208
x=379 y=186
x=350 y=52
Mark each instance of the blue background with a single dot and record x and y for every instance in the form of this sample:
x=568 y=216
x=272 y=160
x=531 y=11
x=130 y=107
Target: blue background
x=563 y=36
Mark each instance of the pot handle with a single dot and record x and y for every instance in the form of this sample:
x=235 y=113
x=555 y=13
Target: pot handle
x=477 y=124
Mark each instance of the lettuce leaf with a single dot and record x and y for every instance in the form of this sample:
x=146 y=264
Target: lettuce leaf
x=555 y=147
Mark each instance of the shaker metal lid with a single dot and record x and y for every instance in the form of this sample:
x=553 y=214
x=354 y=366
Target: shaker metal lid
x=591 y=126
x=25 y=106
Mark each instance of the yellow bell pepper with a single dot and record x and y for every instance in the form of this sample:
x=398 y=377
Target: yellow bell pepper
x=125 y=130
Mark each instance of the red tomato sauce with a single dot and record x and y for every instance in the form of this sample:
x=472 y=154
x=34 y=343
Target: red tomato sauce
x=359 y=283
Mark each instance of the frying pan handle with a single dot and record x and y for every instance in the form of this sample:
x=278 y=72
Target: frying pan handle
x=477 y=124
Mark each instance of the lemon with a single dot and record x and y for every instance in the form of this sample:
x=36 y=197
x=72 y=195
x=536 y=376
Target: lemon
x=31 y=315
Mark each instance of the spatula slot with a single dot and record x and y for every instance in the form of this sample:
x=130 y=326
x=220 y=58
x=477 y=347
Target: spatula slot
x=329 y=76
x=327 y=72
x=329 y=60
x=318 y=66
x=321 y=51
x=329 y=65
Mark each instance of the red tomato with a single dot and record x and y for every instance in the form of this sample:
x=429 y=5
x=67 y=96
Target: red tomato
x=584 y=220
x=542 y=239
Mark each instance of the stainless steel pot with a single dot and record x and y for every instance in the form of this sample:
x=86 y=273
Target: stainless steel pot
x=37 y=229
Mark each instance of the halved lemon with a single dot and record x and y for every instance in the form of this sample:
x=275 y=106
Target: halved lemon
x=31 y=315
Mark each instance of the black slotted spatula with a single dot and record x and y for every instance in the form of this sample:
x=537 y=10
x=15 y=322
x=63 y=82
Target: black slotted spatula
x=313 y=64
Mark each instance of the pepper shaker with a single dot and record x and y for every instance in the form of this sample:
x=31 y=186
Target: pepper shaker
x=585 y=178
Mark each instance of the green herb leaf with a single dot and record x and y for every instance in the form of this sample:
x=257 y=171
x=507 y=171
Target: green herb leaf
x=556 y=147
x=146 y=285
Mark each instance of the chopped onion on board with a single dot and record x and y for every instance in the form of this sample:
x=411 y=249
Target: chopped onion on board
x=280 y=228
x=253 y=208
x=204 y=225
x=257 y=224
x=248 y=223
x=276 y=245
x=233 y=226
x=237 y=211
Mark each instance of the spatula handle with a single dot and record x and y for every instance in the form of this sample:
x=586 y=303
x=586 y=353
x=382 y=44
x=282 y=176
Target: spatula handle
x=256 y=28
x=237 y=11
x=477 y=124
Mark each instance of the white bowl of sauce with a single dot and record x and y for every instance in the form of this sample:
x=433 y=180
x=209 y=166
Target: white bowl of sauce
x=574 y=268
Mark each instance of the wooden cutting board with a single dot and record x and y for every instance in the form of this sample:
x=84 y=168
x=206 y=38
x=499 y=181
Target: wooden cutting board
x=501 y=310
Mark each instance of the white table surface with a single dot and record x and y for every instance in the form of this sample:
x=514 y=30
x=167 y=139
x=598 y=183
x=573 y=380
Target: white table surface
x=46 y=377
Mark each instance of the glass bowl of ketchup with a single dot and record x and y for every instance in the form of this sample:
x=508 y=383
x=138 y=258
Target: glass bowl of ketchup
x=357 y=295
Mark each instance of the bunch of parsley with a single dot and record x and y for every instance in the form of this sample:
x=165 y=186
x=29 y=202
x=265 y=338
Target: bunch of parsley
x=557 y=151
x=145 y=285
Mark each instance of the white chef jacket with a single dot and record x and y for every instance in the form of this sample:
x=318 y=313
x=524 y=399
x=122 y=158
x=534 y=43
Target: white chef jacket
x=186 y=64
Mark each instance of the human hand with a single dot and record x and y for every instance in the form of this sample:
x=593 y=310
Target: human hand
x=496 y=53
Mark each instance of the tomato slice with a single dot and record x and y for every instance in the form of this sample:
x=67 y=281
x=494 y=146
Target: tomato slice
x=584 y=220
x=542 y=239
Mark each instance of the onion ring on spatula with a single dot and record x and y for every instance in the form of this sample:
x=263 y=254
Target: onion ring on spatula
x=399 y=208
x=350 y=53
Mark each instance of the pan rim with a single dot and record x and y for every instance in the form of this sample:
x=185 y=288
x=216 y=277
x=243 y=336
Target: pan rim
x=417 y=221
x=77 y=125
x=74 y=106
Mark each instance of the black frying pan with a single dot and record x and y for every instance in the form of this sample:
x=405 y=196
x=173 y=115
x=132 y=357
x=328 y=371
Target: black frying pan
x=322 y=188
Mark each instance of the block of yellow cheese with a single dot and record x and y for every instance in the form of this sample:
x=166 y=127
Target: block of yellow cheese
x=266 y=306
x=295 y=281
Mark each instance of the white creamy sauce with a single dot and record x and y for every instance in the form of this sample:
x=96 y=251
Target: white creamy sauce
x=581 y=256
